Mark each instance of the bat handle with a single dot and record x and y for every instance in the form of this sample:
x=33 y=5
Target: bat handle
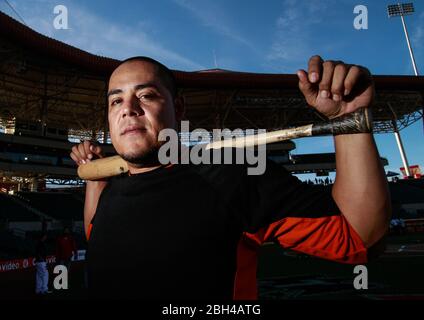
x=359 y=121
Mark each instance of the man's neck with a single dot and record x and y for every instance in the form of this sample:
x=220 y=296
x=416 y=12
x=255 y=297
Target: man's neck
x=142 y=169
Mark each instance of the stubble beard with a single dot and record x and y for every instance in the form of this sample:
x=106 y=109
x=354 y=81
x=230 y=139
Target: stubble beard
x=144 y=158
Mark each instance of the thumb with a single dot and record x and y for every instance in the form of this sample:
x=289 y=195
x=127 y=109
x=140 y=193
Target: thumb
x=309 y=90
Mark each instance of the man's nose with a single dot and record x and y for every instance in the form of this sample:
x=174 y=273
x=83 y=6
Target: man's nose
x=132 y=107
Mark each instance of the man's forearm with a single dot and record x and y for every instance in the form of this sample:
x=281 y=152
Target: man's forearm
x=92 y=195
x=360 y=189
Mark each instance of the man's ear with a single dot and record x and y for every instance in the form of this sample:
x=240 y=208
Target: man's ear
x=179 y=104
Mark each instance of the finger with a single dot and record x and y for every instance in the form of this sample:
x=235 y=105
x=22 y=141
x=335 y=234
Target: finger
x=337 y=85
x=81 y=151
x=327 y=79
x=97 y=150
x=75 y=158
x=351 y=79
x=76 y=154
x=314 y=68
x=87 y=150
x=308 y=89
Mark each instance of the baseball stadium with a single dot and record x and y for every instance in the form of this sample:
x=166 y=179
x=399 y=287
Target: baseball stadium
x=54 y=96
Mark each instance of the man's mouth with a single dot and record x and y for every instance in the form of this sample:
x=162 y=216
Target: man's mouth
x=133 y=130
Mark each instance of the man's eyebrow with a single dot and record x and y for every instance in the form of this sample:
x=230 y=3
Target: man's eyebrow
x=136 y=87
x=113 y=91
x=146 y=85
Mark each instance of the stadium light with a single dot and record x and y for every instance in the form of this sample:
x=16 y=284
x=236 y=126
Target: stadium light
x=396 y=10
x=404 y=9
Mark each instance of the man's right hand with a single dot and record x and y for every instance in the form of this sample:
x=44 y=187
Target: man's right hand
x=85 y=152
x=81 y=154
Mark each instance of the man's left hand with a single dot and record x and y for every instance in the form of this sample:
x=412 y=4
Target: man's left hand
x=334 y=88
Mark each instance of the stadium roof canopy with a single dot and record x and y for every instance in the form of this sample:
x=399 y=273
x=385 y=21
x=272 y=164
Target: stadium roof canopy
x=45 y=80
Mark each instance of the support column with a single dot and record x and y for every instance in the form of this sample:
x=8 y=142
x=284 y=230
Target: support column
x=34 y=185
x=401 y=148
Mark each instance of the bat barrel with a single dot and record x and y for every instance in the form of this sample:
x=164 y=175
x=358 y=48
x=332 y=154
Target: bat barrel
x=262 y=138
x=103 y=168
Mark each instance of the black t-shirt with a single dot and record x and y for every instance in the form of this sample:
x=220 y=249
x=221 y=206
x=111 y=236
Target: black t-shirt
x=172 y=233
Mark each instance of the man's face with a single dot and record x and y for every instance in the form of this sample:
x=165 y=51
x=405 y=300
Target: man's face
x=140 y=106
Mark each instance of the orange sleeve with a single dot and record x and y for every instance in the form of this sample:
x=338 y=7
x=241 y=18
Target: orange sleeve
x=330 y=238
x=245 y=286
x=90 y=226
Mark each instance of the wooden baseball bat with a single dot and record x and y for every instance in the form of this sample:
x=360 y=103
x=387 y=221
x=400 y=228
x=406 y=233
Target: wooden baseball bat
x=359 y=121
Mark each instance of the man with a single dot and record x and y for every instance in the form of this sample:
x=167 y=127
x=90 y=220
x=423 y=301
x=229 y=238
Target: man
x=41 y=271
x=176 y=231
x=65 y=248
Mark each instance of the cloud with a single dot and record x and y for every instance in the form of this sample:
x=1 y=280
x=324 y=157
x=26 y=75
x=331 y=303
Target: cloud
x=97 y=35
x=213 y=17
x=418 y=33
x=416 y=39
x=293 y=32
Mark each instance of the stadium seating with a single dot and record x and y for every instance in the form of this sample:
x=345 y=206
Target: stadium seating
x=11 y=210
x=58 y=205
x=13 y=247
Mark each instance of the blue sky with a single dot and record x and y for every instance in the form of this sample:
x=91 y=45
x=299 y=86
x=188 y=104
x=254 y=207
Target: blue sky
x=254 y=36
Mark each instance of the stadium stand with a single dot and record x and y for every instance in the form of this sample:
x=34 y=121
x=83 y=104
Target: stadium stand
x=59 y=205
x=407 y=200
x=418 y=183
x=12 y=246
x=11 y=210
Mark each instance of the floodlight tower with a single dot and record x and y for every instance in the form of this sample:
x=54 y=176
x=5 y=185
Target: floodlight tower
x=402 y=10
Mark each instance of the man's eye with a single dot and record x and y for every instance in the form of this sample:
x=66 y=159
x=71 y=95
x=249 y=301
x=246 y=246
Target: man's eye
x=114 y=102
x=147 y=96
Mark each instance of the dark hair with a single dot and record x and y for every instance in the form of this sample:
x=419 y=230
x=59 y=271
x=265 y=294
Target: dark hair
x=165 y=75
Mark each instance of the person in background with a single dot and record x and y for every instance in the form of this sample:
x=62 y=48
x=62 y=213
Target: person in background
x=65 y=248
x=41 y=272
